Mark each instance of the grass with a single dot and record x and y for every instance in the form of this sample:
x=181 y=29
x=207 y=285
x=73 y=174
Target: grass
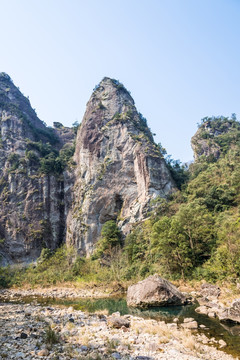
x=51 y=337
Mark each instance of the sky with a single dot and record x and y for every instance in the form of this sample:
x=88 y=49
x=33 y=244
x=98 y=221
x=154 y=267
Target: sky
x=180 y=59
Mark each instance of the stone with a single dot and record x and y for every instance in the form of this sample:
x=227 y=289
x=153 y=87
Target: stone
x=84 y=348
x=116 y=355
x=23 y=335
x=210 y=291
x=118 y=322
x=154 y=291
x=187 y=320
x=202 y=310
x=222 y=343
x=190 y=325
x=212 y=314
x=43 y=352
x=233 y=312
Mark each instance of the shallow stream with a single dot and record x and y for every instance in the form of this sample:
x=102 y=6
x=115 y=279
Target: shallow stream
x=230 y=333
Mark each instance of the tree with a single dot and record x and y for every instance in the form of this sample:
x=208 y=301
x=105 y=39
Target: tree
x=110 y=238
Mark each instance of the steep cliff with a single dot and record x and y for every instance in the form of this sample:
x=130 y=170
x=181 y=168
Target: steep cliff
x=32 y=204
x=50 y=194
x=119 y=168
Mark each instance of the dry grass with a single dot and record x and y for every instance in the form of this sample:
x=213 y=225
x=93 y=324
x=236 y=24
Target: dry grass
x=166 y=333
x=102 y=312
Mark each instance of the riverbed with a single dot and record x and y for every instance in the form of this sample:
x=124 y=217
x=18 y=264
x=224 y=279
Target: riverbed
x=209 y=332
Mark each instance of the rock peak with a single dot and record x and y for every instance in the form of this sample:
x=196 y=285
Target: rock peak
x=119 y=168
x=5 y=76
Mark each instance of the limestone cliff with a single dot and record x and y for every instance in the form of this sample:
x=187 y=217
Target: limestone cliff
x=32 y=204
x=119 y=168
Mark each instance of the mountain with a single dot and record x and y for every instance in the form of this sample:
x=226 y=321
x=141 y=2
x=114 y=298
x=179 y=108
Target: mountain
x=119 y=167
x=56 y=188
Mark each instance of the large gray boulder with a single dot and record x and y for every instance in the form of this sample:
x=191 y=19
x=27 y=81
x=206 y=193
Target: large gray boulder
x=154 y=291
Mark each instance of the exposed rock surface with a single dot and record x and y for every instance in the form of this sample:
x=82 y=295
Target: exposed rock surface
x=154 y=291
x=119 y=167
x=210 y=138
x=210 y=291
x=118 y=171
x=33 y=204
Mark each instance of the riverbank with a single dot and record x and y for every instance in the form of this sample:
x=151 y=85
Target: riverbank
x=32 y=332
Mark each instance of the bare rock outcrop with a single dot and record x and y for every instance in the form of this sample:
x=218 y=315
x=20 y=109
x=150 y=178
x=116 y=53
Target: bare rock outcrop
x=154 y=291
x=33 y=202
x=214 y=136
x=119 y=167
x=47 y=197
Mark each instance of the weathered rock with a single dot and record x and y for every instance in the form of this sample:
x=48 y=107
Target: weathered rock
x=23 y=335
x=118 y=322
x=222 y=343
x=210 y=291
x=233 y=312
x=33 y=204
x=202 y=310
x=43 y=352
x=154 y=291
x=119 y=168
x=190 y=325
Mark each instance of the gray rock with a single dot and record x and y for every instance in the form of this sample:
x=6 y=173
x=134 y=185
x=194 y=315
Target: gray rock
x=154 y=291
x=23 y=335
x=118 y=322
x=233 y=312
x=119 y=168
x=210 y=291
x=190 y=325
x=116 y=355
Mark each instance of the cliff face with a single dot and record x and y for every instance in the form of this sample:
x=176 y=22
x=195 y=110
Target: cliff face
x=119 y=168
x=50 y=194
x=32 y=207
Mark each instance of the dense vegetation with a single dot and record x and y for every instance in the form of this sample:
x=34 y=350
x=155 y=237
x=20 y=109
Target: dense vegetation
x=194 y=234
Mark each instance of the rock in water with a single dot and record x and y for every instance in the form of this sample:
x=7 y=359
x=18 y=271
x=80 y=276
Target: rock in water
x=154 y=291
x=119 y=168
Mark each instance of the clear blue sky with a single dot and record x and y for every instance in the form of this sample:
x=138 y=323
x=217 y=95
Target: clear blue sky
x=179 y=58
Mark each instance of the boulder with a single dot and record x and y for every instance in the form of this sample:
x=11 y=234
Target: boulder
x=189 y=323
x=154 y=291
x=210 y=291
x=118 y=322
x=233 y=312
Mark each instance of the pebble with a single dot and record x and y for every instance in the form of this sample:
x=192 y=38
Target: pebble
x=24 y=337
x=43 y=352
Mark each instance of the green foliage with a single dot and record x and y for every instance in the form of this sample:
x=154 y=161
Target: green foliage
x=51 y=337
x=75 y=126
x=110 y=238
x=179 y=172
x=14 y=161
x=50 y=161
x=32 y=157
x=58 y=125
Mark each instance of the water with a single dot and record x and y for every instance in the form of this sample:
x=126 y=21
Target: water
x=214 y=328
